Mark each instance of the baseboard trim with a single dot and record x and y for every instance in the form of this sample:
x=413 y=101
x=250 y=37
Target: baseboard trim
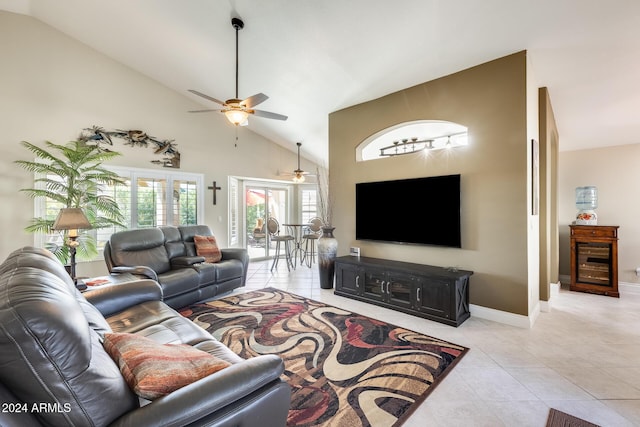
x=527 y=322
x=626 y=288
x=505 y=317
x=554 y=290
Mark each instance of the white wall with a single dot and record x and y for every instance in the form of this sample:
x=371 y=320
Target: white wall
x=614 y=170
x=51 y=87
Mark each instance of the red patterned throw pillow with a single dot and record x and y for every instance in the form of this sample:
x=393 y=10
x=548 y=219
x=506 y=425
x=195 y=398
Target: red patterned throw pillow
x=207 y=247
x=153 y=370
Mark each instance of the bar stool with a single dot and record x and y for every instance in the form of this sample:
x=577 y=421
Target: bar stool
x=273 y=227
x=312 y=234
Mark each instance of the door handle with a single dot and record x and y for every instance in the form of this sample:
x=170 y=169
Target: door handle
x=382 y=287
x=418 y=294
x=357 y=281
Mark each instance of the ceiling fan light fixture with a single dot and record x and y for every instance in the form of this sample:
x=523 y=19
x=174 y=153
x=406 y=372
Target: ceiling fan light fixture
x=298 y=176
x=236 y=117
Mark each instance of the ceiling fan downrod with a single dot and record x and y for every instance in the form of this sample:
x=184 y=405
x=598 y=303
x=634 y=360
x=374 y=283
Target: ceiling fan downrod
x=238 y=25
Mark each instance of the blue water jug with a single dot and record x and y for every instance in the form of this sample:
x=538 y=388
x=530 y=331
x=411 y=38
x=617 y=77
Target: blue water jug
x=586 y=198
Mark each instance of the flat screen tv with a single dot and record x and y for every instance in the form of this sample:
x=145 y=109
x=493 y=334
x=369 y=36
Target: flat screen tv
x=422 y=211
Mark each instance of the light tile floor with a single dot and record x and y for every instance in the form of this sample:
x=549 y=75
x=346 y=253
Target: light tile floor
x=582 y=358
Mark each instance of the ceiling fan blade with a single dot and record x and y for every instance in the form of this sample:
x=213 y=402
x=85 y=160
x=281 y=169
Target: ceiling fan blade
x=205 y=111
x=254 y=100
x=269 y=115
x=217 y=101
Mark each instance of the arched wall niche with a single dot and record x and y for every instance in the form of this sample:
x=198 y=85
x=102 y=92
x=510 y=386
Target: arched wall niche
x=410 y=138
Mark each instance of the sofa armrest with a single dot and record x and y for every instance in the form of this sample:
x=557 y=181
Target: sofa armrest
x=140 y=270
x=186 y=261
x=235 y=253
x=112 y=299
x=239 y=254
x=204 y=397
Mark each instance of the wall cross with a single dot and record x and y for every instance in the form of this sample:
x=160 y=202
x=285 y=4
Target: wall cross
x=214 y=188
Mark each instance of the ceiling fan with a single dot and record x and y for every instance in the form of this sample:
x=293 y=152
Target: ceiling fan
x=236 y=110
x=299 y=174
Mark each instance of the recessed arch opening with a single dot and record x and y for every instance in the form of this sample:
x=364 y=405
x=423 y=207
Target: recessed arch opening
x=412 y=137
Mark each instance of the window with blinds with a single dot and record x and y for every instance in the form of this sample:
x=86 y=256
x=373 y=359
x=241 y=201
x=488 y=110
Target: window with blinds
x=151 y=202
x=309 y=204
x=234 y=213
x=149 y=198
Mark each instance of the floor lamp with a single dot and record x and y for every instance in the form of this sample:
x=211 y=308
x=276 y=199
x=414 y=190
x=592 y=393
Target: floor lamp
x=72 y=219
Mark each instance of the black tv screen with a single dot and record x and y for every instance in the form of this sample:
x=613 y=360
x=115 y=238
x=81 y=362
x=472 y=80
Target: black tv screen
x=419 y=210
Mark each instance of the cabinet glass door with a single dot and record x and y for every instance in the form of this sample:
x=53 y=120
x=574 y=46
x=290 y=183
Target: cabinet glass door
x=374 y=283
x=399 y=290
x=594 y=263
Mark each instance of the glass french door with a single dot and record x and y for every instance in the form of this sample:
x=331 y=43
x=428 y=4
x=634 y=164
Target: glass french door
x=262 y=202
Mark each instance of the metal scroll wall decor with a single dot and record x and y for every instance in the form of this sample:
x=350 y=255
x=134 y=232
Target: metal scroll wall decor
x=135 y=138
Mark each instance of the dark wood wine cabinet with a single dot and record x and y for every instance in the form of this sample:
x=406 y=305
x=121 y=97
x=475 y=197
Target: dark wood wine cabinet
x=594 y=259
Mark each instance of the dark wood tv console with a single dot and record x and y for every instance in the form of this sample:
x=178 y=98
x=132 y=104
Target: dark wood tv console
x=435 y=293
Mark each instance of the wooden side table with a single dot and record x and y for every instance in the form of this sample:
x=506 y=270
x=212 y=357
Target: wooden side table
x=594 y=259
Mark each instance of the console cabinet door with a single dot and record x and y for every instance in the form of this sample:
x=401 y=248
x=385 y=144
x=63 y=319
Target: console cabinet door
x=434 y=297
x=348 y=279
x=400 y=288
x=374 y=284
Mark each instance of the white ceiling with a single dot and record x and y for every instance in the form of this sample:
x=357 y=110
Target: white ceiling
x=316 y=57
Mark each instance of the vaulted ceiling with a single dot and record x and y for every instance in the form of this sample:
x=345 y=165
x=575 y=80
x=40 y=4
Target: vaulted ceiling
x=315 y=57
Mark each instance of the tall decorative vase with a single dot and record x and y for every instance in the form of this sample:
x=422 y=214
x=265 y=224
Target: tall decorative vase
x=327 y=250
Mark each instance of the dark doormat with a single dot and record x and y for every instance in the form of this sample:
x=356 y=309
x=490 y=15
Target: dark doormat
x=561 y=419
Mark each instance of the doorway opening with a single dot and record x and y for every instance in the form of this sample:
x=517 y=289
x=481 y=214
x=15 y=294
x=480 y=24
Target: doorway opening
x=261 y=202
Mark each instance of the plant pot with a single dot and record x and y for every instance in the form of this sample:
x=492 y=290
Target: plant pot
x=327 y=251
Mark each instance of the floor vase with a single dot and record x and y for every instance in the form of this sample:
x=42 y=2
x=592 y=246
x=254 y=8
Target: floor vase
x=327 y=251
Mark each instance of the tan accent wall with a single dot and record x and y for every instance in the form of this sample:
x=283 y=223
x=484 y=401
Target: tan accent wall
x=491 y=100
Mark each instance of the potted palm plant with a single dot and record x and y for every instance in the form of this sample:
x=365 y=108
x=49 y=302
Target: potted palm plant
x=72 y=176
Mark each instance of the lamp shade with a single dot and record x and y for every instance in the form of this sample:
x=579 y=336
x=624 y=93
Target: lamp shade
x=71 y=219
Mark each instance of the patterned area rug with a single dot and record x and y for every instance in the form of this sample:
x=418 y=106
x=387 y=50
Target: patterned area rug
x=344 y=369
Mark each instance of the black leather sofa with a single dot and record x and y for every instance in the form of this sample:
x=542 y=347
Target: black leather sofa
x=54 y=370
x=168 y=255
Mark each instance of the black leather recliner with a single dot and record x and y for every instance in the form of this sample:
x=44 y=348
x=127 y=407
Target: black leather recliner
x=168 y=255
x=54 y=370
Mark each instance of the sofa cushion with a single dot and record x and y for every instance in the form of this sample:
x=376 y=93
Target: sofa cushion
x=207 y=247
x=143 y=246
x=178 y=281
x=173 y=241
x=153 y=370
x=228 y=270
